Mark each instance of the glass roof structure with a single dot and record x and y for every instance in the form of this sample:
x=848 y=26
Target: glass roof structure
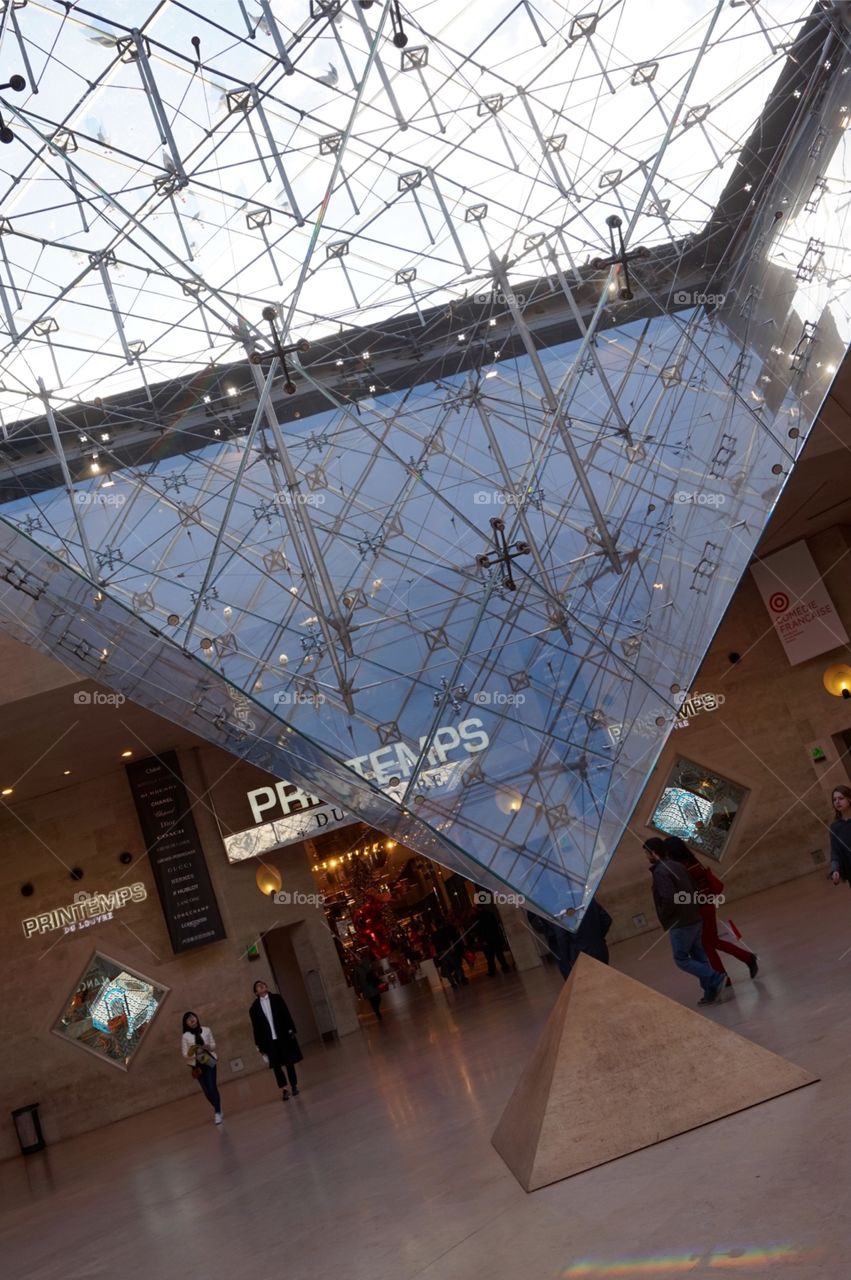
x=396 y=396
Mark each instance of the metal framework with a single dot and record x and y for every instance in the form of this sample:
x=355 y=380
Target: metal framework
x=526 y=267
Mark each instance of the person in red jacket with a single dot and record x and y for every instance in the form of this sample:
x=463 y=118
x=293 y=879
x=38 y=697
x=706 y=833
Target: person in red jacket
x=709 y=887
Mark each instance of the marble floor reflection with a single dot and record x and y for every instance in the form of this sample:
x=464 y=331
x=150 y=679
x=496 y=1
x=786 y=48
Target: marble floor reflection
x=382 y=1169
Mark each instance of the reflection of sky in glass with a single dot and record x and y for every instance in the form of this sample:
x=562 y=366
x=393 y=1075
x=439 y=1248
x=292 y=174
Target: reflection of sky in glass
x=681 y=812
x=109 y=1011
x=317 y=586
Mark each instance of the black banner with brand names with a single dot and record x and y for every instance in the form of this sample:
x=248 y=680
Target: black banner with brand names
x=177 y=856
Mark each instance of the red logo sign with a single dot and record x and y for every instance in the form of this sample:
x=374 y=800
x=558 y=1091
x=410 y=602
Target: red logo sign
x=779 y=602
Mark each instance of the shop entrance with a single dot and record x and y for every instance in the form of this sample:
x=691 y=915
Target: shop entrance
x=408 y=917
x=843 y=746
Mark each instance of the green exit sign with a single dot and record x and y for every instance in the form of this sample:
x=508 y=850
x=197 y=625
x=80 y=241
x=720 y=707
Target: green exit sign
x=817 y=753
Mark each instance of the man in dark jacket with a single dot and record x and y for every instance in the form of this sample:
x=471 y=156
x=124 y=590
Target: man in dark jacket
x=488 y=931
x=590 y=937
x=679 y=914
x=448 y=949
x=566 y=946
x=275 y=1036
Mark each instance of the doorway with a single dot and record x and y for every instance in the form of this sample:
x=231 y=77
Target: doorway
x=842 y=742
x=289 y=980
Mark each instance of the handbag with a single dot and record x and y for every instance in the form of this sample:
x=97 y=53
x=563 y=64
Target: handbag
x=729 y=933
x=196 y=1073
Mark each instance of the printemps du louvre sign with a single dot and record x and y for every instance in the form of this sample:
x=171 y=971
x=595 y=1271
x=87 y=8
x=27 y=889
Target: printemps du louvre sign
x=86 y=910
x=285 y=814
x=690 y=706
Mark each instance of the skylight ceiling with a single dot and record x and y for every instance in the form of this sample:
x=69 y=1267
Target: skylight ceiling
x=168 y=181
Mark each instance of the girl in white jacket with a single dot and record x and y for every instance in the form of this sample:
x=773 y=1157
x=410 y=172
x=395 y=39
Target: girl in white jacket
x=199 y=1050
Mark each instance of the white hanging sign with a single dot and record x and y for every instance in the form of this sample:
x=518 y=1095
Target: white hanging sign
x=798 y=603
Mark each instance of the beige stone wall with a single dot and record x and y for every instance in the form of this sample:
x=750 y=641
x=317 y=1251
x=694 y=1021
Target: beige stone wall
x=761 y=738
x=89 y=826
x=27 y=672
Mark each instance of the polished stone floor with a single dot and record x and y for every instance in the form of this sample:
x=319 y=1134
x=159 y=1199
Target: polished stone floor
x=383 y=1169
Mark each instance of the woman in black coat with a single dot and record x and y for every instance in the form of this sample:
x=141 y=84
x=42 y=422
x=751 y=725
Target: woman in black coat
x=275 y=1037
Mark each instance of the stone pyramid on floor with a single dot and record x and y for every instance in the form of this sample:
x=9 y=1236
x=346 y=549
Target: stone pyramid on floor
x=620 y=1067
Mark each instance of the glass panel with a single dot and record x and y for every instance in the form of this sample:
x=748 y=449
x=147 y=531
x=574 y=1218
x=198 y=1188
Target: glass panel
x=698 y=806
x=453 y=567
x=109 y=1010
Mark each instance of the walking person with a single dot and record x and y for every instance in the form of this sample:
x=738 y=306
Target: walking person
x=199 y=1050
x=709 y=889
x=275 y=1037
x=448 y=945
x=589 y=938
x=679 y=914
x=367 y=983
x=488 y=931
x=840 y=835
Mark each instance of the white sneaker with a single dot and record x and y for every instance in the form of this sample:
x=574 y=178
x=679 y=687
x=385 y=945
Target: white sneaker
x=218 y=1118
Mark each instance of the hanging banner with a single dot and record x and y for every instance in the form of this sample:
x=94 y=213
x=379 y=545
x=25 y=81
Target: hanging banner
x=798 y=603
x=177 y=857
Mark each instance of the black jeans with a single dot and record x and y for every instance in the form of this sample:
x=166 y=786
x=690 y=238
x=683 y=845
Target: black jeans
x=492 y=954
x=209 y=1086
x=375 y=1001
x=280 y=1067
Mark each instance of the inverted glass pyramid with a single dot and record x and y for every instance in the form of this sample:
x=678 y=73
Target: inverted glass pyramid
x=454 y=565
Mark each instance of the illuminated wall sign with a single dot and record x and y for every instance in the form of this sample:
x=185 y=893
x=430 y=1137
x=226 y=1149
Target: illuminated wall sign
x=86 y=909
x=691 y=705
x=694 y=703
x=390 y=768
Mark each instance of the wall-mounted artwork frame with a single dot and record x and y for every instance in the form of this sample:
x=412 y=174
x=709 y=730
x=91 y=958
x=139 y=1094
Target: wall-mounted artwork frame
x=109 y=1010
x=698 y=805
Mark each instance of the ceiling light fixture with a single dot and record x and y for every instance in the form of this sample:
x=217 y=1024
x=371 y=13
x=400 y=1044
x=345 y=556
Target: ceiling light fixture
x=125 y=755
